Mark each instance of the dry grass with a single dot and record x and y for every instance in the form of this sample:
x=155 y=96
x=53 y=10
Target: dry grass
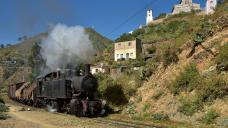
x=160 y=80
x=42 y=119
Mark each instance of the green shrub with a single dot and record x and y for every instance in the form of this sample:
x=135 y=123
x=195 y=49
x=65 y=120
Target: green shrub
x=3 y=108
x=9 y=72
x=111 y=91
x=151 y=49
x=138 y=32
x=115 y=65
x=149 y=69
x=170 y=30
x=212 y=88
x=104 y=82
x=186 y=80
x=206 y=29
x=138 y=62
x=129 y=82
x=125 y=37
x=222 y=57
x=3 y=116
x=118 y=92
x=157 y=95
x=160 y=116
x=189 y=106
x=146 y=107
x=131 y=108
x=207 y=91
x=162 y=15
x=1 y=100
x=138 y=99
x=210 y=117
x=146 y=116
x=198 y=39
x=166 y=31
x=221 y=10
x=169 y=56
x=179 y=15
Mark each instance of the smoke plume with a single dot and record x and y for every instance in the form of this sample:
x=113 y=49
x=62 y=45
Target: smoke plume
x=66 y=46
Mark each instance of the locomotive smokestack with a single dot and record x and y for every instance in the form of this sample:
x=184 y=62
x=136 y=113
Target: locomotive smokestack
x=87 y=69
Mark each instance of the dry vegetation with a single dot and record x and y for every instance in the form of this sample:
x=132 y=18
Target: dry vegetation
x=188 y=77
x=41 y=119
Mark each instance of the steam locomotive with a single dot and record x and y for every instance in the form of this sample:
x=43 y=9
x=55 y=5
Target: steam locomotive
x=71 y=91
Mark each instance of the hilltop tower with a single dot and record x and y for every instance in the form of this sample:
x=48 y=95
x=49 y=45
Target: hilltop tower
x=186 y=2
x=149 y=17
x=185 y=6
x=210 y=6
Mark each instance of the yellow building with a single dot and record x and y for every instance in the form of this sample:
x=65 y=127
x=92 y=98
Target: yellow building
x=127 y=50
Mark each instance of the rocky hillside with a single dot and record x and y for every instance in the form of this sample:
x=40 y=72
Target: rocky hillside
x=191 y=83
x=186 y=80
x=185 y=91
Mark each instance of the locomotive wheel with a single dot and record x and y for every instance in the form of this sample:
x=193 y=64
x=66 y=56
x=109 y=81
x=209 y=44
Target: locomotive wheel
x=60 y=104
x=52 y=106
x=76 y=108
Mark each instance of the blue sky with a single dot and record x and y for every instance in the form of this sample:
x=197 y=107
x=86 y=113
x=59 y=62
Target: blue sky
x=30 y=17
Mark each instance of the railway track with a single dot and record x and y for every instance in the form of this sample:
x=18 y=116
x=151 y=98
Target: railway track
x=124 y=124
x=111 y=122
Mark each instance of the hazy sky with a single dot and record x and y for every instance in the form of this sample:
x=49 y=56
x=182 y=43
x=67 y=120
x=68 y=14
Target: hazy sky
x=30 y=17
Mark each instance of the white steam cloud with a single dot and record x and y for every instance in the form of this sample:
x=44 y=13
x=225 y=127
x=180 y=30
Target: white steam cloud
x=66 y=46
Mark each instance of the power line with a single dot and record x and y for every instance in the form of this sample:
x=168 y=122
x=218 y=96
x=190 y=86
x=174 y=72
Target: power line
x=130 y=17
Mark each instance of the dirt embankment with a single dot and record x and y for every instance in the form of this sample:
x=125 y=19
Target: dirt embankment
x=160 y=80
x=41 y=119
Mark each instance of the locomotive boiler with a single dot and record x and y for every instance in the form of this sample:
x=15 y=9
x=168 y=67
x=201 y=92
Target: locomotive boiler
x=72 y=91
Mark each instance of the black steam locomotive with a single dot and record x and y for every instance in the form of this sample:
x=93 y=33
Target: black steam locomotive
x=72 y=91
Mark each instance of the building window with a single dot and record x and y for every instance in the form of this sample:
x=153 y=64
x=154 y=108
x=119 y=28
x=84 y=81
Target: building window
x=117 y=55
x=131 y=54
x=129 y=43
x=97 y=70
x=121 y=56
x=127 y=55
x=119 y=44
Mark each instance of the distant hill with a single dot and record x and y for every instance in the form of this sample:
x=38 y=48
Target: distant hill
x=100 y=42
x=20 y=52
x=25 y=46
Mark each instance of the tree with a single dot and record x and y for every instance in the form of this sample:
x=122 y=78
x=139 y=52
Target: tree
x=35 y=60
x=162 y=15
x=8 y=45
x=2 y=46
x=125 y=37
x=23 y=38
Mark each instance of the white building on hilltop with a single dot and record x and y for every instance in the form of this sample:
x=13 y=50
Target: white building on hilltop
x=149 y=17
x=210 y=6
x=185 y=6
